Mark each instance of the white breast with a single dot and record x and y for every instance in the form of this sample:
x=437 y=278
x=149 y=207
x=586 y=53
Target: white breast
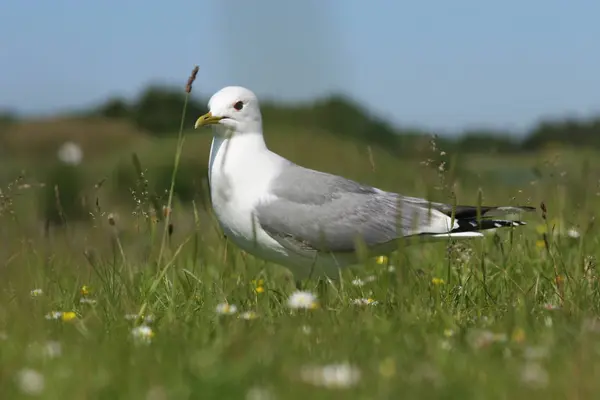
x=240 y=172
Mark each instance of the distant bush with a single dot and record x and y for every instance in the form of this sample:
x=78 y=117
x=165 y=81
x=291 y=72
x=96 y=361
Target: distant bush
x=575 y=133
x=159 y=110
x=115 y=108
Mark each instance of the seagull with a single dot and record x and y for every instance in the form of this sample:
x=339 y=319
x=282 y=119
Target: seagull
x=311 y=222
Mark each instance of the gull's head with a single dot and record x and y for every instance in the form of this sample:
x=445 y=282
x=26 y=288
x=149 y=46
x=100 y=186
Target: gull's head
x=233 y=110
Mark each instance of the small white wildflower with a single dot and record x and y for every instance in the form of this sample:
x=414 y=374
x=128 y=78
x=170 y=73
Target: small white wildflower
x=363 y=302
x=391 y=268
x=226 y=309
x=361 y=282
x=70 y=153
x=36 y=292
x=54 y=315
x=307 y=330
x=53 y=349
x=31 y=382
x=300 y=299
x=358 y=282
x=143 y=333
x=335 y=376
x=248 y=315
x=573 y=233
x=86 y=300
x=534 y=375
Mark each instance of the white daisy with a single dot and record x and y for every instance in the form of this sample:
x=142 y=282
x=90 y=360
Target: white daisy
x=143 y=333
x=54 y=315
x=31 y=382
x=248 y=315
x=70 y=153
x=226 y=309
x=365 y=302
x=573 y=233
x=300 y=299
x=36 y=292
x=334 y=376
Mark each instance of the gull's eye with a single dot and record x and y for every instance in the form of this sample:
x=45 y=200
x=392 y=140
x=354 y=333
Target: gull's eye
x=238 y=106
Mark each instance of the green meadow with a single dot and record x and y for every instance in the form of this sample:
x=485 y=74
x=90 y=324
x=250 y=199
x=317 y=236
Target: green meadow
x=107 y=293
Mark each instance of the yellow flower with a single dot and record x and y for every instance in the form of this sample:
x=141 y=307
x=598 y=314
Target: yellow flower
x=85 y=290
x=258 y=285
x=437 y=281
x=68 y=316
x=540 y=244
x=381 y=260
x=518 y=335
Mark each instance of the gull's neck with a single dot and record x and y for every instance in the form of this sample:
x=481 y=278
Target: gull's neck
x=240 y=149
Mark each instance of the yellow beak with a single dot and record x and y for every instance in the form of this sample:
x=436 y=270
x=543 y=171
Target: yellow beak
x=207 y=119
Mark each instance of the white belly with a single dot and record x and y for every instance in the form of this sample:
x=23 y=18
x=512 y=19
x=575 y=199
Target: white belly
x=237 y=185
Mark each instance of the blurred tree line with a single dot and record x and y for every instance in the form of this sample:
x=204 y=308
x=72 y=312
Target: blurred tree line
x=158 y=110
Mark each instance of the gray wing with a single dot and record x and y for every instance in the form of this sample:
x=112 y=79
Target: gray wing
x=315 y=211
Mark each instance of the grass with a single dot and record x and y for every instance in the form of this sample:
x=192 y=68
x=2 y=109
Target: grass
x=514 y=315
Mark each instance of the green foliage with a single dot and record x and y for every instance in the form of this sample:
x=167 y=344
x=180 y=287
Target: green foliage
x=115 y=108
x=486 y=142
x=570 y=132
x=514 y=314
x=158 y=110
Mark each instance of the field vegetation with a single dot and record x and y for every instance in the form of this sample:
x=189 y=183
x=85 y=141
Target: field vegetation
x=109 y=293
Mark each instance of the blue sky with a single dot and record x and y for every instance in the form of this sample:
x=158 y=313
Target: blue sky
x=440 y=65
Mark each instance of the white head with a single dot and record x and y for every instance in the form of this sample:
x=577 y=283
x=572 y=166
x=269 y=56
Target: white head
x=233 y=110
